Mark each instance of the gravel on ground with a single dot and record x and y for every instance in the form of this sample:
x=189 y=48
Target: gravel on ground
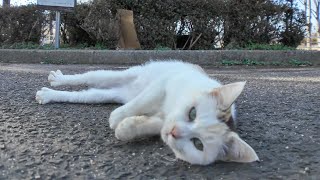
x=278 y=115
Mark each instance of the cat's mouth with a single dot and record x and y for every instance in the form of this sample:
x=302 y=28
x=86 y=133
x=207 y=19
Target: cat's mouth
x=172 y=138
x=172 y=142
x=168 y=132
x=168 y=137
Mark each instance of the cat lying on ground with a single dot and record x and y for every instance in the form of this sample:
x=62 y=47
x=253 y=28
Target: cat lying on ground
x=193 y=113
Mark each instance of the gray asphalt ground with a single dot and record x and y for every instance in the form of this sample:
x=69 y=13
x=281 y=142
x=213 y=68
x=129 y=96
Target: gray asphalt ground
x=278 y=115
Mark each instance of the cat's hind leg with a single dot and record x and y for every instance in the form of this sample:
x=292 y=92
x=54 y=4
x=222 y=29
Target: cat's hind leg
x=137 y=127
x=97 y=79
x=55 y=78
x=46 y=95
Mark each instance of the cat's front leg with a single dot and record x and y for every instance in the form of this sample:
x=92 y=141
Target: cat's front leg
x=149 y=101
x=138 y=126
x=117 y=116
x=45 y=95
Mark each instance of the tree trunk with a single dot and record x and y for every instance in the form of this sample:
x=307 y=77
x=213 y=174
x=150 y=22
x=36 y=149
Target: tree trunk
x=306 y=18
x=6 y=3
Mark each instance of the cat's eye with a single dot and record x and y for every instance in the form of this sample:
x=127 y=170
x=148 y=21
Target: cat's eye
x=197 y=143
x=192 y=114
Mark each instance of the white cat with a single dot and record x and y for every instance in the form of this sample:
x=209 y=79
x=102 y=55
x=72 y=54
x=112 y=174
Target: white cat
x=192 y=112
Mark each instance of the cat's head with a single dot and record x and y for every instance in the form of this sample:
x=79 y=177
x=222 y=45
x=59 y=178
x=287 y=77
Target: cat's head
x=198 y=133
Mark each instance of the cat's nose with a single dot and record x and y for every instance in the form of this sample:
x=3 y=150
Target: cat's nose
x=174 y=132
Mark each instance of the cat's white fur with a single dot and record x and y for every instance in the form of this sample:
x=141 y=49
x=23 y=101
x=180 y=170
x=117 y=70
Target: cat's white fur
x=157 y=99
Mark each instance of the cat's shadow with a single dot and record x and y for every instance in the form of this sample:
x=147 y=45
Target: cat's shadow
x=146 y=141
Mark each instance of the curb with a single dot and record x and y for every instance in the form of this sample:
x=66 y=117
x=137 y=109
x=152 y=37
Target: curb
x=202 y=57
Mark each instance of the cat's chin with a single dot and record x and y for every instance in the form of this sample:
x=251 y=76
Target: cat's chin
x=169 y=140
x=172 y=143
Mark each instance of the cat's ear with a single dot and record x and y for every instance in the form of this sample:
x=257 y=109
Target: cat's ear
x=238 y=151
x=227 y=94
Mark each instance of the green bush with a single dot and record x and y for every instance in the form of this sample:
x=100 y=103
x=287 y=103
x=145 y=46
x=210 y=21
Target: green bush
x=254 y=46
x=21 y=45
x=187 y=24
x=296 y=62
x=239 y=24
x=21 y=24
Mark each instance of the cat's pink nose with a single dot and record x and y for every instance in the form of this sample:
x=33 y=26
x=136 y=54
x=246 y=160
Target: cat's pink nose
x=174 y=132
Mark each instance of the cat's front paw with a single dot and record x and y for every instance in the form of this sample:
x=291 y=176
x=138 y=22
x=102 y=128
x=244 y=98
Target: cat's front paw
x=116 y=117
x=44 y=95
x=55 y=78
x=126 y=129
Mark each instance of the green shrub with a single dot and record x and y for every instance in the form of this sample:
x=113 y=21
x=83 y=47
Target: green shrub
x=21 y=45
x=296 y=62
x=162 y=48
x=242 y=24
x=250 y=62
x=255 y=46
x=22 y=24
x=161 y=23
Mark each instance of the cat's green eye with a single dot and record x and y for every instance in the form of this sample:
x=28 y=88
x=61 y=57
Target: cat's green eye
x=192 y=114
x=197 y=143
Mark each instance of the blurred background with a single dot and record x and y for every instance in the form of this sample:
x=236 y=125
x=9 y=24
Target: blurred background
x=167 y=24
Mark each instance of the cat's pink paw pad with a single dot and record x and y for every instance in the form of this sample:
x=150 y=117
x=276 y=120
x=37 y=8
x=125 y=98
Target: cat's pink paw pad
x=55 y=78
x=43 y=96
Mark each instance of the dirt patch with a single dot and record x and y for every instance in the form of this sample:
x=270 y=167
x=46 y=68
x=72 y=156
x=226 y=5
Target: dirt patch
x=278 y=115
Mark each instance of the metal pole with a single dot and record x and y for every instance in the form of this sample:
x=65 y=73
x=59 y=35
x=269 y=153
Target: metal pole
x=310 y=25
x=306 y=16
x=57 y=33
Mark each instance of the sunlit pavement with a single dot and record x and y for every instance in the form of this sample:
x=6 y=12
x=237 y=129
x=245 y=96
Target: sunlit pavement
x=278 y=115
